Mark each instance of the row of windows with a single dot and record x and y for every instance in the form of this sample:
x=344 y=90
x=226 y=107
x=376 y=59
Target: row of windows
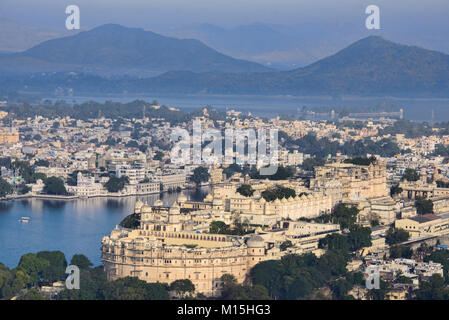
x=185 y=236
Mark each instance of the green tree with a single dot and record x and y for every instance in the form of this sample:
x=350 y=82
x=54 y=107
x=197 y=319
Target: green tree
x=55 y=185
x=217 y=227
x=300 y=287
x=23 y=169
x=282 y=173
x=25 y=190
x=6 y=278
x=158 y=156
x=395 y=236
x=182 y=287
x=115 y=184
x=132 y=288
x=131 y=221
x=245 y=190
x=56 y=268
x=434 y=289
x=41 y=163
x=359 y=237
x=361 y=161
x=394 y=190
x=200 y=174
x=424 y=206
x=33 y=294
x=93 y=286
x=340 y=288
x=32 y=266
x=286 y=244
x=5 y=188
x=81 y=261
x=231 y=290
x=278 y=192
x=410 y=175
x=398 y=251
x=335 y=241
x=309 y=164
x=344 y=215
x=379 y=294
x=38 y=175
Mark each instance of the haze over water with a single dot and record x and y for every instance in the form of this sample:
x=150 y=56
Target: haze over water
x=271 y=106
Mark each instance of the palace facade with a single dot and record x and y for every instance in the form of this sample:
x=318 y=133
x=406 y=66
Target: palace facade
x=162 y=250
x=170 y=245
x=357 y=181
x=256 y=210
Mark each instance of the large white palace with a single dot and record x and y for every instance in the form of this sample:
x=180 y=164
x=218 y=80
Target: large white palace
x=170 y=245
x=174 y=242
x=333 y=183
x=163 y=249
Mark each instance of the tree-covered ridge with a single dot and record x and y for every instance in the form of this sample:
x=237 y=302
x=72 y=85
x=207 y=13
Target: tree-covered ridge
x=298 y=276
x=46 y=267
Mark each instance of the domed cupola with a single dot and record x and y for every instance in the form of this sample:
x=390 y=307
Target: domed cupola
x=174 y=213
x=138 y=206
x=182 y=198
x=255 y=242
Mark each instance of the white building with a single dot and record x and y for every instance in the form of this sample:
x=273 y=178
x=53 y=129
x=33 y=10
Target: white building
x=87 y=187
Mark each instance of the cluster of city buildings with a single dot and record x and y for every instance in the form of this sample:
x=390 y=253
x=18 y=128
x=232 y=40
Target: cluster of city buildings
x=176 y=242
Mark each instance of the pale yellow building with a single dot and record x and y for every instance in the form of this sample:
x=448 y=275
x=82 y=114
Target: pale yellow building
x=8 y=136
x=357 y=181
x=425 y=225
x=170 y=245
x=256 y=210
x=160 y=250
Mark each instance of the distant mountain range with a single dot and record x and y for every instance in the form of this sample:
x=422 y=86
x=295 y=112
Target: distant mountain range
x=116 y=50
x=372 y=66
x=298 y=45
x=255 y=42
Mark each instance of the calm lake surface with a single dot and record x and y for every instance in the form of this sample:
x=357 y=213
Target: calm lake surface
x=72 y=226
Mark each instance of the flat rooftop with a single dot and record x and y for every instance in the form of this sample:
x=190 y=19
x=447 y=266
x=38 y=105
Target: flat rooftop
x=426 y=218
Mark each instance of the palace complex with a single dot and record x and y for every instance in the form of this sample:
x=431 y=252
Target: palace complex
x=175 y=242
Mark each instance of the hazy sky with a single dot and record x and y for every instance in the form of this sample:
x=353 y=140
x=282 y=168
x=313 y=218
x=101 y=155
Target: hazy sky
x=413 y=15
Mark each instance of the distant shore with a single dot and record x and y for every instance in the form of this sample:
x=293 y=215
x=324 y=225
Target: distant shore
x=75 y=197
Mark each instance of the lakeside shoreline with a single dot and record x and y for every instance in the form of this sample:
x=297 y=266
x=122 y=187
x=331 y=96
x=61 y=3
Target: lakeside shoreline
x=75 y=197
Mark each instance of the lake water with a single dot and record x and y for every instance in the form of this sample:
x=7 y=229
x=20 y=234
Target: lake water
x=269 y=106
x=72 y=226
